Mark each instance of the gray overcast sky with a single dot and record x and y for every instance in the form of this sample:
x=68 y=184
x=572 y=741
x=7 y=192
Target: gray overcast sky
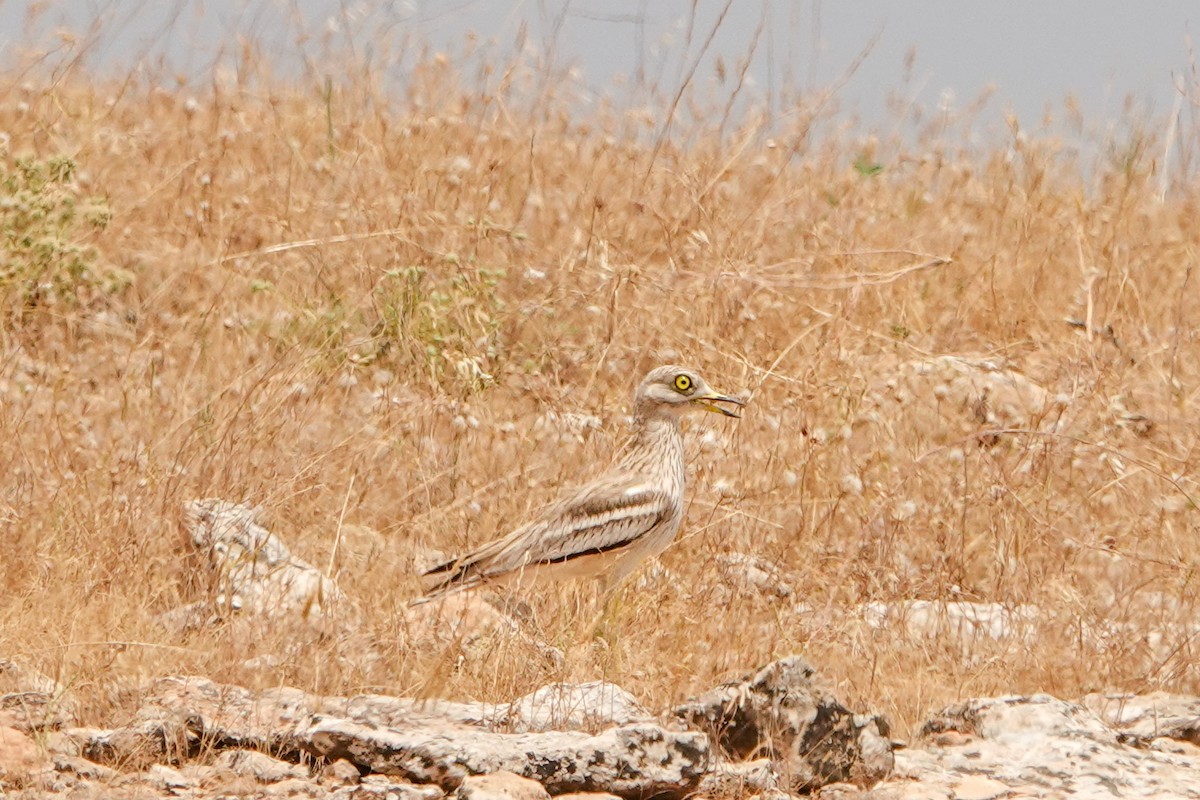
x=1033 y=53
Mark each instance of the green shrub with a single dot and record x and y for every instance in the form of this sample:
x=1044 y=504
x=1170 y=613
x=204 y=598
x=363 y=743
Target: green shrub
x=45 y=260
x=448 y=320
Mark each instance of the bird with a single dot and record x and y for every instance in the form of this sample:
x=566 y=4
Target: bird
x=606 y=527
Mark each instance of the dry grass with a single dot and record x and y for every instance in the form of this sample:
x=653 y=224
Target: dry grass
x=359 y=304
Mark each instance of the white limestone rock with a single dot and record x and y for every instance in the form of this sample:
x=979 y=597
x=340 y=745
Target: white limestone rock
x=1035 y=746
x=575 y=707
x=1144 y=719
x=943 y=398
x=501 y=786
x=966 y=623
x=255 y=570
x=753 y=574
x=260 y=766
x=632 y=761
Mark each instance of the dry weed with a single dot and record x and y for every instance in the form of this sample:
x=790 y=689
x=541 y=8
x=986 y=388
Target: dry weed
x=385 y=310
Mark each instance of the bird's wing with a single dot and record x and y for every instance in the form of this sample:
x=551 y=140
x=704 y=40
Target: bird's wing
x=600 y=517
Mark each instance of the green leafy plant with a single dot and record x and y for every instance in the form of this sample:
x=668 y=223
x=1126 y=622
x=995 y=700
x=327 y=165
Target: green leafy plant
x=45 y=259
x=867 y=167
x=450 y=320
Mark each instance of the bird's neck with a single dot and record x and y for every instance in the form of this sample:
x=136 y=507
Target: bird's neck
x=655 y=424
x=657 y=443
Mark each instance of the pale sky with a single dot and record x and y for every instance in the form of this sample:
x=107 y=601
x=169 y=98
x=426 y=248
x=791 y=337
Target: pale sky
x=1034 y=54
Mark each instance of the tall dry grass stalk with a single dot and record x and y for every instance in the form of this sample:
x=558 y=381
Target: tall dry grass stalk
x=365 y=310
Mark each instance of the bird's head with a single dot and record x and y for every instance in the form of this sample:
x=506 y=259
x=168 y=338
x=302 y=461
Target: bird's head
x=677 y=388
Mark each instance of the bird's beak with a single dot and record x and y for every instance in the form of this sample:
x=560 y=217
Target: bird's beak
x=709 y=401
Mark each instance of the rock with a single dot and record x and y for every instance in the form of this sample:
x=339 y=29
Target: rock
x=138 y=745
x=83 y=768
x=1150 y=630
x=1175 y=746
x=739 y=779
x=750 y=573
x=1110 y=746
x=960 y=621
x=179 y=714
x=35 y=711
x=574 y=707
x=632 y=761
x=17 y=677
x=260 y=766
x=1035 y=746
x=294 y=787
x=943 y=398
x=49 y=782
x=501 y=786
x=1140 y=720
x=384 y=787
x=254 y=569
x=399 y=712
x=60 y=743
x=255 y=716
x=844 y=791
x=772 y=794
x=980 y=787
x=780 y=712
x=1013 y=717
x=211 y=775
x=168 y=778
x=29 y=701
x=421 y=741
x=232 y=715
x=342 y=772
x=20 y=757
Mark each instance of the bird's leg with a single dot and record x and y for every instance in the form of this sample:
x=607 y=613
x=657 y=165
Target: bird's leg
x=609 y=605
x=512 y=606
x=580 y=602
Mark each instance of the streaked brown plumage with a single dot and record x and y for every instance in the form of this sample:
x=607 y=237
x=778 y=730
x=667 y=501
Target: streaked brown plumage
x=608 y=526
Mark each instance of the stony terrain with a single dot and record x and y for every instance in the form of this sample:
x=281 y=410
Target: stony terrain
x=775 y=733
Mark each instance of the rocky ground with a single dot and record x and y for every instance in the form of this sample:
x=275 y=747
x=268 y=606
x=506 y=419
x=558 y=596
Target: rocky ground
x=774 y=734
x=777 y=732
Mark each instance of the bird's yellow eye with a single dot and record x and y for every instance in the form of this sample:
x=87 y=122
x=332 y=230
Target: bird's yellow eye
x=683 y=383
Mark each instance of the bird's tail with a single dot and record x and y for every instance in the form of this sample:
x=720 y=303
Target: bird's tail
x=451 y=577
